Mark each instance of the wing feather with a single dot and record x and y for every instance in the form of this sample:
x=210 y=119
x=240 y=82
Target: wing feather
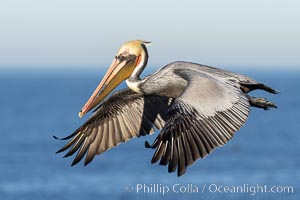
x=82 y=151
x=92 y=151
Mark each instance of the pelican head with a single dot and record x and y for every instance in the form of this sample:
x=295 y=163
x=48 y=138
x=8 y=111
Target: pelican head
x=131 y=58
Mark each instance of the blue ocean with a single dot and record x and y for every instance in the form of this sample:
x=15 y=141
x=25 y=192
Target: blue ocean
x=261 y=162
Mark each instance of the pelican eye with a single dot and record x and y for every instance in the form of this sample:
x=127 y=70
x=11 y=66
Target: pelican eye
x=121 y=58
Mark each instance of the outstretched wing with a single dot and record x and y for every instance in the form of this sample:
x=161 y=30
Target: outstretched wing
x=204 y=117
x=124 y=115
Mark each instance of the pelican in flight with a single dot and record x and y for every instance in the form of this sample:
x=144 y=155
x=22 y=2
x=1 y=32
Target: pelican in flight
x=197 y=108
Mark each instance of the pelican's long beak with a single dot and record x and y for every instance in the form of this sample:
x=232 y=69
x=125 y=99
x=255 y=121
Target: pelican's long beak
x=119 y=70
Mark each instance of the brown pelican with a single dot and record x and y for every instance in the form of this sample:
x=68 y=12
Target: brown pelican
x=197 y=108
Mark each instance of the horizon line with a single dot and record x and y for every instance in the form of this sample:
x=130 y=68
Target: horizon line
x=151 y=66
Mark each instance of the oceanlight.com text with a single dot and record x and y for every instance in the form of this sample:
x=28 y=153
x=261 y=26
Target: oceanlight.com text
x=249 y=189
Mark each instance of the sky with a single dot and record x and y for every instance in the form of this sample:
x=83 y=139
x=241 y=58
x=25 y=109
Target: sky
x=88 y=33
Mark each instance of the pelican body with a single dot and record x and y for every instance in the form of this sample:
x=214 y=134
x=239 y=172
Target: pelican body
x=197 y=108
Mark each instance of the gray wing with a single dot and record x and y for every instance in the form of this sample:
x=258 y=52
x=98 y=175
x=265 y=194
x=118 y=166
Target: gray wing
x=204 y=117
x=124 y=115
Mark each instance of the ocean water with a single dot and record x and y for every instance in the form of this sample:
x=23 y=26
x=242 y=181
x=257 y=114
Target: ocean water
x=37 y=104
